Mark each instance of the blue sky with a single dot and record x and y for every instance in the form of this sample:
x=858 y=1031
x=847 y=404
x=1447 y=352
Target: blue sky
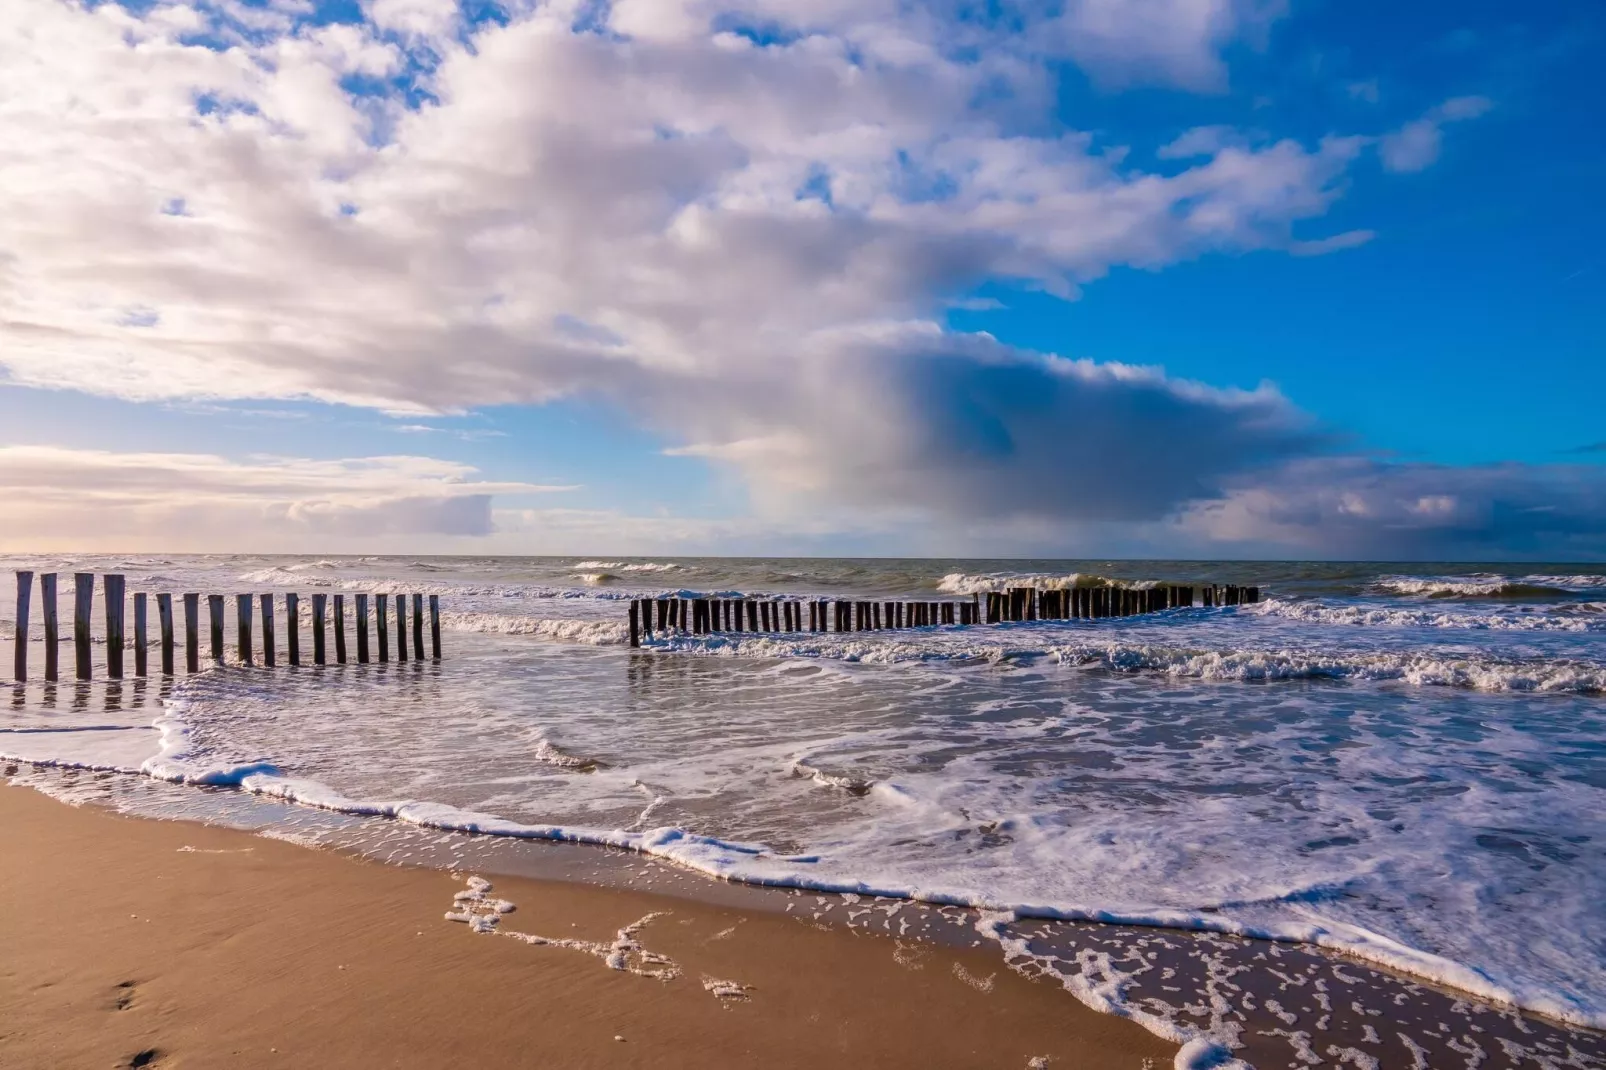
x=418 y=231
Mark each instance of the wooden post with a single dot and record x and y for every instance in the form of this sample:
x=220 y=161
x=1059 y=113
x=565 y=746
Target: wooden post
x=47 y=610
x=19 y=656
x=635 y=624
x=340 y=629
x=292 y=628
x=214 y=610
x=382 y=627
x=401 y=627
x=435 y=625
x=270 y=655
x=192 y=633
x=164 y=624
x=112 y=590
x=141 y=636
x=362 y=629
x=242 y=628
x=418 y=627
x=83 y=604
x=320 y=609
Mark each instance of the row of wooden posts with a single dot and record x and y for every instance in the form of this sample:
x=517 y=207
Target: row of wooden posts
x=705 y=616
x=116 y=636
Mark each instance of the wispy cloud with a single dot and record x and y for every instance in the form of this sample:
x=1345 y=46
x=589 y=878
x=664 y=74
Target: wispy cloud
x=1416 y=145
x=97 y=498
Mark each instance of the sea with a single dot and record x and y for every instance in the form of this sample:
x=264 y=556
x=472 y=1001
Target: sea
x=1400 y=764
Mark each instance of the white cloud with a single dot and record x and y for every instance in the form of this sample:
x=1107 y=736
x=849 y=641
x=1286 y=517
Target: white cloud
x=98 y=499
x=740 y=224
x=1178 y=41
x=1416 y=145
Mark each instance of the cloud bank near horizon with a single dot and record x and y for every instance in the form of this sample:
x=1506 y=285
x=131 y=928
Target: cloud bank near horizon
x=741 y=223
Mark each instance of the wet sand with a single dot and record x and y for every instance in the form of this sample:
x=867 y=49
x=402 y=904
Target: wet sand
x=135 y=942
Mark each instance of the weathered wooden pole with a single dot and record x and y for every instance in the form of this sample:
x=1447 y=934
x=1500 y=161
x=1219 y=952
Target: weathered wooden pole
x=47 y=610
x=320 y=608
x=83 y=604
x=292 y=628
x=192 y=633
x=435 y=625
x=401 y=627
x=382 y=627
x=362 y=629
x=340 y=629
x=164 y=624
x=270 y=654
x=113 y=591
x=214 y=611
x=635 y=624
x=141 y=636
x=242 y=628
x=418 y=627
x=19 y=657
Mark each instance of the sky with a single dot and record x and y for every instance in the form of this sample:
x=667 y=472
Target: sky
x=1107 y=278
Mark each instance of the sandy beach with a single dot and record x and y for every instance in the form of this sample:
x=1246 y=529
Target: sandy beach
x=132 y=942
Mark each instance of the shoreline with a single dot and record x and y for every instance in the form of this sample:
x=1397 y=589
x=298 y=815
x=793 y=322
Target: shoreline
x=1267 y=1000
x=136 y=942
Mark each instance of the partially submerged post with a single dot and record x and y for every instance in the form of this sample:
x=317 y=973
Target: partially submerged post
x=319 y=604
x=83 y=603
x=435 y=626
x=381 y=604
x=192 y=633
x=268 y=654
x=362 y=629
x=340 y=629
x=292 y=628
x=635 y=624
x=242 y=628
x=401 y=627
x=164 y=624
x=114 y=626
x=214 y=613
x=47 y=610
x=20 y=653
x=418 y=627
x=141 y=636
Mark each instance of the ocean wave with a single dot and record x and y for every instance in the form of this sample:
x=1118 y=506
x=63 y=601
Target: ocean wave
x=623 y=566
x=591 y=632
x=1488 y=585
x=1560 y=676
x=804 y=768
x=1580 y=618
x=966 y=583
x=1423 y=670
x=548 y=753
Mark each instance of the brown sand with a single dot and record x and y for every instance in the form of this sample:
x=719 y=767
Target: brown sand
x=129 y=942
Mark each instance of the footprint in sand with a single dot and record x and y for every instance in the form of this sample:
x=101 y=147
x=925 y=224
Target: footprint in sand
x=125 y=996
